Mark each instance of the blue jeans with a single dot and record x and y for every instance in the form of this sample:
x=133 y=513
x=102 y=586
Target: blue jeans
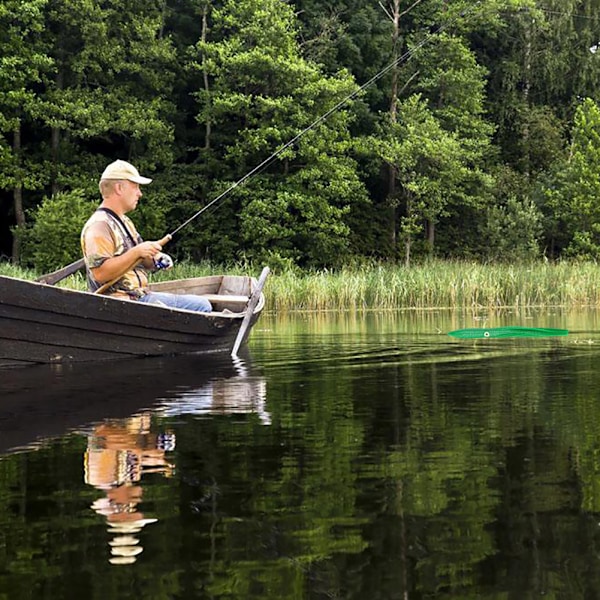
x=186 y=301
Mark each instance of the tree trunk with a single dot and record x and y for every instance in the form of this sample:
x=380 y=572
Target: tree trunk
x=407 y=233
x=55 y=143
x=395 y=17
x=207 y=125
x=17 y=195
x=526 y=99
x=407 y=243
x=430 y=236
x=394 y=13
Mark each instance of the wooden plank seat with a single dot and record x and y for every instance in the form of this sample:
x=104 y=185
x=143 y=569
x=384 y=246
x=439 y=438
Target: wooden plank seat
x=227 y=302
x=230 y=299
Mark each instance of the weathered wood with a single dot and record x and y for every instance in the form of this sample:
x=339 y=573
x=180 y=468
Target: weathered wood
x=28 y=352
x=42 y=323
x=56 y=276
x=218 y=298
x=98 y=337
x=195 y=285
x=224 y=303
x=246 y=323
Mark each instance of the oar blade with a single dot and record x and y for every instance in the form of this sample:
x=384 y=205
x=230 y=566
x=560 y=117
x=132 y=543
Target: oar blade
x=506 y=332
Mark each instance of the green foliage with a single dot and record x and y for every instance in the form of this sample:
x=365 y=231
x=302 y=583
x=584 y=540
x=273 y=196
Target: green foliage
x=113 y=76
x=199 y=93
x=53 y=240
x=23 y=60
x=513 y=231
x=538 y=72
x=573 y=193
x=460 y=285
x=383 y=286
x=437 y=144
x=432 y=166
x=24 y=63
x=260 y=95
x=300 y=228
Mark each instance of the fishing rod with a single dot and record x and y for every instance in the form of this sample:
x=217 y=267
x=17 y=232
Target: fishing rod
x=398 y=61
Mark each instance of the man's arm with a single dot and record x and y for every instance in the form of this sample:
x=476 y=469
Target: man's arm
x=116 y=266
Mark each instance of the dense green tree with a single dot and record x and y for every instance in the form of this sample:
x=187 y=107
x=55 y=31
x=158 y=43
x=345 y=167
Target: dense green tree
x=201 y=92
x=454 y=85
x=52 y=238
x=573 y=195
x=113 y=78
x=104 y=93
x=349 y=33
x=23 y=62
x=438 y=147
x=259 y=95
x=422 y=155
x=540 y=64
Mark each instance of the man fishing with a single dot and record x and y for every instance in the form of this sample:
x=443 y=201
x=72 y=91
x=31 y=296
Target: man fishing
x=117 y=259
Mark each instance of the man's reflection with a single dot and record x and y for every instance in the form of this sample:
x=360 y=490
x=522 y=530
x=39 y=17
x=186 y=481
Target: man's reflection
x=119 y=452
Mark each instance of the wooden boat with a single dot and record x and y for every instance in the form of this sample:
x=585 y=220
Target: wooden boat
x=41 y=323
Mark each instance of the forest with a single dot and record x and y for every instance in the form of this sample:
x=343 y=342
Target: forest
x=331 y=132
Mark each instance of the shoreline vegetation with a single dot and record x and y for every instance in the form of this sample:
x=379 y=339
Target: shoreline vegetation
x=436 y=284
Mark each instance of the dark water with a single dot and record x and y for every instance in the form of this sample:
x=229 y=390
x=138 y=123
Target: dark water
x=350 y=456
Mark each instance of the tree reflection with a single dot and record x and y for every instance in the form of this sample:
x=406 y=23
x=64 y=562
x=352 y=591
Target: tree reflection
x=355 y=477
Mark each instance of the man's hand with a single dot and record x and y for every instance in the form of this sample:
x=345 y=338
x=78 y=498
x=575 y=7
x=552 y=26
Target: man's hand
x=117 y=266
x=147 y=250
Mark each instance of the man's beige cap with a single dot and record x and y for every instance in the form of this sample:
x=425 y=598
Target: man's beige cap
x=121 y=169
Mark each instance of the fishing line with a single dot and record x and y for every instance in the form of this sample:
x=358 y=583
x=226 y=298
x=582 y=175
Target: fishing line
x=400 y=60
x=557 y=13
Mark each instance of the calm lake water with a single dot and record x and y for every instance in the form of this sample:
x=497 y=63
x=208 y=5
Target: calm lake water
x=355 y=456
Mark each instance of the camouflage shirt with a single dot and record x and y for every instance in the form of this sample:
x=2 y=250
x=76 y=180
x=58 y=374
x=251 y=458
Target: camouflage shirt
x=104 y=236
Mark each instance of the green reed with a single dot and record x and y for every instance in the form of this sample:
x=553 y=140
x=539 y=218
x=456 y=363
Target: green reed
x=435 y=284
x=438 y=284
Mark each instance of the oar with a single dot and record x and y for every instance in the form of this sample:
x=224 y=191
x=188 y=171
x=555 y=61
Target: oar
x=105 y=286
x=507 y=332
x=60 y=274
x=243 y=332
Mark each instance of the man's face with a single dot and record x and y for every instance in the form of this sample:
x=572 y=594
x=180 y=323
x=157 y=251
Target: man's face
x=130 y=194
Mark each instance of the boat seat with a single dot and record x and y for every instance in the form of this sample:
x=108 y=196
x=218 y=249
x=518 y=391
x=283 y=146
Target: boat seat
x=226 y=299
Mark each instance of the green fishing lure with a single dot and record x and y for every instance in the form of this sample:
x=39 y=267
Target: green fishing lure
x=506 y=332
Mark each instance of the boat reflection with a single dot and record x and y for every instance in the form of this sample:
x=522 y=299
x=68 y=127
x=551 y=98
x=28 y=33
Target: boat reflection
x=44 y=402
x=124 y=413
x=121 y=451
x=235 y=395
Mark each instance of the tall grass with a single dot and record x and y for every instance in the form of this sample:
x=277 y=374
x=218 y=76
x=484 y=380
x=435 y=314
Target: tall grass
x=436 y=284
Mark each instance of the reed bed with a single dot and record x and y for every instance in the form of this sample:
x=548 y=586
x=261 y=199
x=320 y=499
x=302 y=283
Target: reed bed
x=438 y=284
x=435 y=284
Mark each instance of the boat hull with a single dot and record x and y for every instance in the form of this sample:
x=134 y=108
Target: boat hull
x=40 y=323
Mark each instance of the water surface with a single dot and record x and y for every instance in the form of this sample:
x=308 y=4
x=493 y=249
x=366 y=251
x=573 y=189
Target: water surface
x=345 y=456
